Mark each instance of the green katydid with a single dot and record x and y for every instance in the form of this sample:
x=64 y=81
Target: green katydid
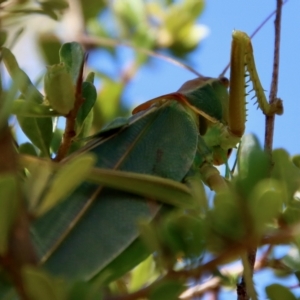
x=173 y=137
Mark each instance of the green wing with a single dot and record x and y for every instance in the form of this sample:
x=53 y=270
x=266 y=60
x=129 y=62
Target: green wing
x=160 y=142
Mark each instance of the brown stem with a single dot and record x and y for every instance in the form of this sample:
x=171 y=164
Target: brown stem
x=70 y=131
x=274 y=85
x=281 y=236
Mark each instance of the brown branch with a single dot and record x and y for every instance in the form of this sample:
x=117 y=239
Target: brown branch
x=70 y=131
x=279 y=237
x=274 y=85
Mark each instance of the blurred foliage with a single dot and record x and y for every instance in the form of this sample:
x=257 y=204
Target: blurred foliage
x=189 y=238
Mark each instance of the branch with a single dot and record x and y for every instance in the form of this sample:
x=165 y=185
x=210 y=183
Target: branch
x=274 y=85
x=70 y=131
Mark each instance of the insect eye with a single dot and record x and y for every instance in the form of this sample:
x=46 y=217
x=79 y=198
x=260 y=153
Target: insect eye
x=224 y=81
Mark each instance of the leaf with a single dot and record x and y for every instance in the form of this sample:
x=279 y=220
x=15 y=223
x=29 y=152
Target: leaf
x=123 y=263
x=153 y=187
x=54 y=4
x=27 y=148
x=7 y=104
x=285 y=171
x=168 y=289
x=72 y=55
x=31 y=109
x=278 y=292
x=8 y=211
x=89 y=95
x=143 y=274
x=49 y=45
x=37 y=182
x=40 y=285
x=56 y=140
x=20 y=77
x=65 y=181
x=3 y=37
x=39 y=131
x=254 y=165
x=59 y=88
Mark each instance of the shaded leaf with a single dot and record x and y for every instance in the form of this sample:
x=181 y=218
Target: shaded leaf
x=89 y=95
x=40 y=285
x=20 y=77
x=39 y=131
x=168 y=289
x=72 y=55
x=27 y=148
x=59 y=89
x=31 y=109
x=65 y=181
x=278 y=292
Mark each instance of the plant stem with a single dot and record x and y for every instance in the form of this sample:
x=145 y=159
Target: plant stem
x=70 y=131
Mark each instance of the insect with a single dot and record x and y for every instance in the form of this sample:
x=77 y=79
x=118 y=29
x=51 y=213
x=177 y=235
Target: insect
x=176 y=137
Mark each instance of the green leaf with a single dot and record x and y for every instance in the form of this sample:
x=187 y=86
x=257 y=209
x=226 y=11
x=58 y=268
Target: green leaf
x=279 y=292
x=40 y=285
x=39 y=131
x=183 y=234
x=20 y=77
x=266 y=202
x=85 y=291
x=37 y=182
x=292 y=259
x=254 y=165
x=296 y=160
x=89 y=95
x=54 y=4
x=135 y=253
x=31 y=109
x=56 y=140
x=27 y=148
x=3 y=37
x=286 y=172
x=90 y=77
x=153 y=187
x=66 y=180
x=49 y=45
x=168 y=289
x=72 y=55
x=105 y=109
x=8 y=211
x=59 y=88
x=143 y=274
x=226 y=218
x=7 y=104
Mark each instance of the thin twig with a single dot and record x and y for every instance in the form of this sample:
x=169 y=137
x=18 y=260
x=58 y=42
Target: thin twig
x=274 y=85
x=70 y=131
x=278 y=237
x=93 y=41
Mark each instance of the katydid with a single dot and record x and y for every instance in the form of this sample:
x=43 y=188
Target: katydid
x=175 y=136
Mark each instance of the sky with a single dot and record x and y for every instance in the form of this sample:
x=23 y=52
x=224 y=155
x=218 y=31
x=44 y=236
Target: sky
x=221 y=18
